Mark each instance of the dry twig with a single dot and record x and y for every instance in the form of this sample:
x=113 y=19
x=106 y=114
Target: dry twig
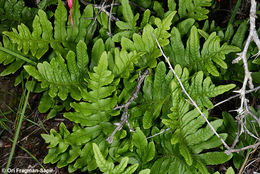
x=125 y=116
x=242 y=56
x=243 y=110
x=159 y=133
x=242 y=149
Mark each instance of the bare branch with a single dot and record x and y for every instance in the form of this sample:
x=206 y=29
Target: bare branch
x=192 y=101
x=242 y=149
x=125 y=116
x=243 y=110
x=235 y=96
x=159 y=133
x=109 y=20
x=242 y=56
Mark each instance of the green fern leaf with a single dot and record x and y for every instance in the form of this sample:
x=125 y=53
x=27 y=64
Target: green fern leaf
x=83 y=136
x=240 y=35
x=194 y=9
x=97 y=51
x=108 y=167
x=60 y=22
x=207 y=59
x=99 y=105
x=145 y=45
x=124 y=63
x=156 y=95
x=214 y=158
x=53 y=138
x=191 y=133
x=200 y=90
x=145 y=150
x=121 y=166
x=59 y=77
x=186 y=154
x=103 y=165
x=213 y=142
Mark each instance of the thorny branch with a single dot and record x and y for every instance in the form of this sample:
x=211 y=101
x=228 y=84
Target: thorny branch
x=191 y=100
x=235 y=96
x=125 y=116
x=103 y=8
x=243 y=110
x=242 y=149
x=242 y=56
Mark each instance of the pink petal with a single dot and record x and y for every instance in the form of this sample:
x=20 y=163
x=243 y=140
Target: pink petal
x=70 y=3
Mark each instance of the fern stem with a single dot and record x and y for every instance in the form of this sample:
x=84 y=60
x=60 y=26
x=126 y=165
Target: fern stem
x=17 y=132
x=231 y=20
x=17 y=55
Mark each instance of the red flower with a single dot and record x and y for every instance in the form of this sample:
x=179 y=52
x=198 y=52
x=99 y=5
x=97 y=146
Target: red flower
x=70 y=2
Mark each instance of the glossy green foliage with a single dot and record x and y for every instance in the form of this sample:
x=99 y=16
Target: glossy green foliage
x=100 y=100
x=128 y=27
x=63 y=77
x=191 y=134
x=190 y=137
x=145 y=151
x=208 y=58
x=13 y=12
x=109 y=168
x=231 y=128
x=10 y=59
x=200 y=89
x=53 y=106
x=74 y=149
x=183 y=156
x=156 y=95
x=194 y=9
x=145 y=44
x=124 y=62
x=44 y=36
x=59 y=149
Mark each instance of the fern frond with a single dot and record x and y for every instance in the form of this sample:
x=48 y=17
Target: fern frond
x=145 y=45
x=200 y=89
x=32 y=42
x=124 y=62
x=14 y=12
x=109 y=168
x=207 y=59
x=194 y=9
x=75 y=149
x=145 y=150
x=63 y=78
x=183 y=155
x=191 y=135
x=156 y=95
x=99 y=103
